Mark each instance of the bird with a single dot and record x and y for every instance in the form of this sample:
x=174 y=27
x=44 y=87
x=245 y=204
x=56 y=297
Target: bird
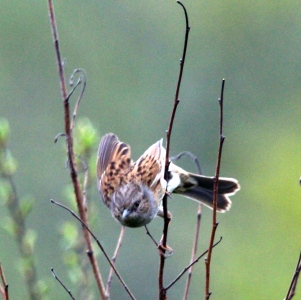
x=133 y=191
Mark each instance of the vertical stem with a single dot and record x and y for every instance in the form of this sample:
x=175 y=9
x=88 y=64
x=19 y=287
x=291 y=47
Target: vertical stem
x=71 y=157
x=162 y=291
x=194 y=250
x=215 y=192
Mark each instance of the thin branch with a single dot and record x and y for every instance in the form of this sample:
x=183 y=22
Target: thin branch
x=114 y=258
x=150 y=235
x=61 y=134
x=70 y=153
x=198 y=221
x=98 y=243
x=215 y=193
x=190 y=155
x=194 y=250
x=190 y=265
x=62 y=284
x=4 y=288
x=57 y=50
x=162 y=291
x=82 y=79
x=176 y=100
x=292 y=289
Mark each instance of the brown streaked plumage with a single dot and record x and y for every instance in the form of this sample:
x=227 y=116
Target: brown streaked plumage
x=133 y=191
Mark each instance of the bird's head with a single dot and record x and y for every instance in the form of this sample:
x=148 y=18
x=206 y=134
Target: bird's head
x=133 y=205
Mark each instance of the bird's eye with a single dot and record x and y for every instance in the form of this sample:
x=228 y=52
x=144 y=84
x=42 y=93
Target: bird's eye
x=136 y=204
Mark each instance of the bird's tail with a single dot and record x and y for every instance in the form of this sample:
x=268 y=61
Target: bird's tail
x=200 y=188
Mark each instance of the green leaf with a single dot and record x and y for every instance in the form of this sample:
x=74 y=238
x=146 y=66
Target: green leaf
x=86 y=135
x=8 y=164
x=4 y=132
x=5 y=190
x=9 y=226
x=30 y=239
x=26 y=205
x=69 y=231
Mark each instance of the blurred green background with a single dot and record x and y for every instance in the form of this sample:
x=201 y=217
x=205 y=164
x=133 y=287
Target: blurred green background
x=131 y=52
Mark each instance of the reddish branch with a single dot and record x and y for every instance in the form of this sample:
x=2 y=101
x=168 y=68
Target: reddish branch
x=4 y=286
x=99 y=245
x=215 y=191
x=72 y=163
x=162 y=290
x=194 y=250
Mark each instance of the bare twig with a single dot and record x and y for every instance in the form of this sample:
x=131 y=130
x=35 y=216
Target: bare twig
x=118 y=245
x=194 y=250
x=4 y=287
x=82 y=79
x=292 y=289
x=59 y=135
x=71 y=157
x=190 y=265
x=215 y=191
x=162 y=290
x=62 y=284
x=99 y=245
x=198 y=222
x=150 y=235
x=190 y=155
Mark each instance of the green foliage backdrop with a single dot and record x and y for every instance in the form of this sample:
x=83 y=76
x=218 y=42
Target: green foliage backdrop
x=131 y=51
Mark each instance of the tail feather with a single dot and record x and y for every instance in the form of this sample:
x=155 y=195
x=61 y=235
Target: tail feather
x=200 y=188
x=205 y=196
x=225 y=185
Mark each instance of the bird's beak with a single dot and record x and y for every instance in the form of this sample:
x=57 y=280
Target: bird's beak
x=125 y=213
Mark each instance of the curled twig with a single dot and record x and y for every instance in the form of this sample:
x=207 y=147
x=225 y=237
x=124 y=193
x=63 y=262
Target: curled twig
x=190 y=155
x=61 y=134
x=82 y=78
x=98 y=243
x=62 y=284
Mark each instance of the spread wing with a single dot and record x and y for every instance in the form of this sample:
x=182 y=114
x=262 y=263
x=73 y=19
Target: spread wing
x=113 y=160
x=149 y=169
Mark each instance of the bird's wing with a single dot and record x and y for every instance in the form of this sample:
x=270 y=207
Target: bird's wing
x=114 y=158
x=149 y=169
